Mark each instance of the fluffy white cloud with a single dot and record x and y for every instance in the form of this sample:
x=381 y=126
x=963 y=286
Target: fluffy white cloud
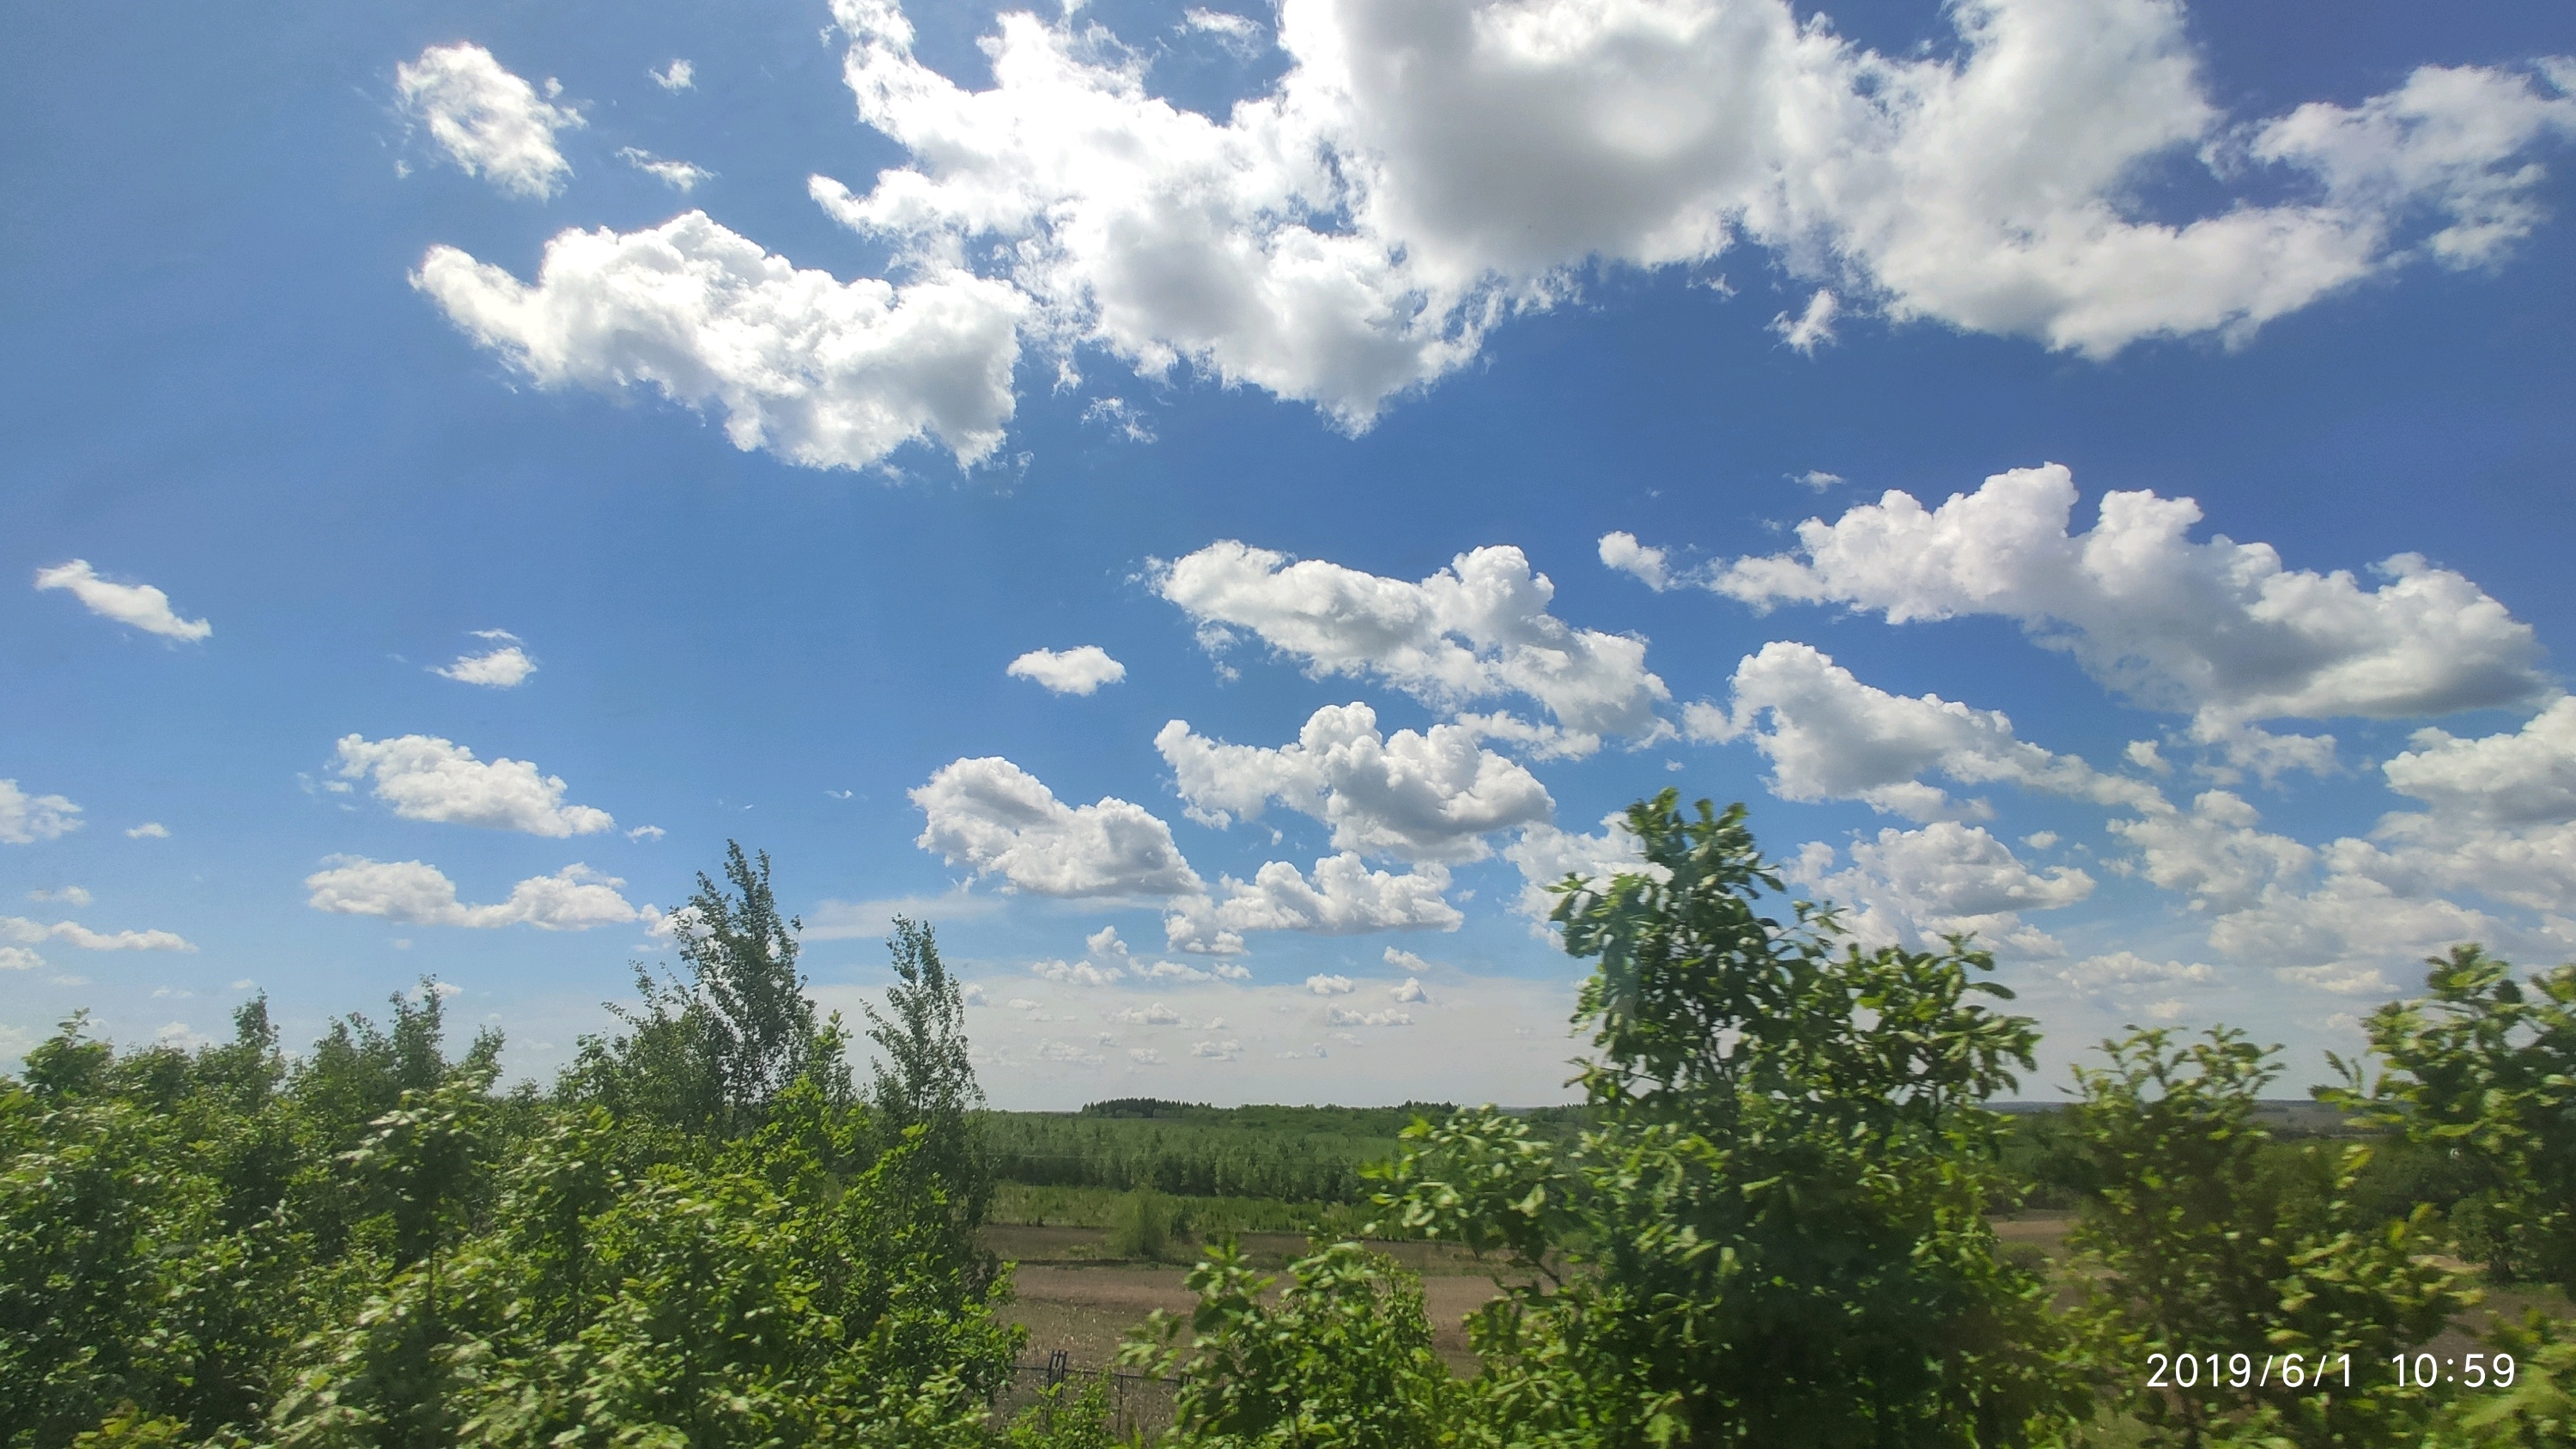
x=1830 y=737
x=19 y=958
x=26 y=819
x=823 y=373
x=1344 y=1016
x=1911 y=886
x=2526 y=776
x=1155 y=1015
x=491 y=123
x=678 y=76
x=2214 y=852
x=1812 y=328
x=998 y=818
x=680 y=176
x=426 y=778
x=1343 y=897
x=148 y=830
x=1410 y=991
x=1331 y=985
x=575 y=898
x=1079 y=670
x=1414 y=796
x=1419 y=172
x=1476 y=629
x=507 y=667
x=72 y=896
x=2127 y=972
x=1651 y=566
x=139 y=605
x=2219 y=629
x=1547 y=854
x=27 y=932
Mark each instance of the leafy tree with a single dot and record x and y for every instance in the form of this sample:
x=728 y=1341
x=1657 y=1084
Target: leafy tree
x=708 y=1054
x=925 y=1091
x=1775 y=1233
x=2481 y=1070
x=1342 y=1357
x=2199 y=1245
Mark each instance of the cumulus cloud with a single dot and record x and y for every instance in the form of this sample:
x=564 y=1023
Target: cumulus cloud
x=1331 y=985
x=507 y=667
x=2219 y=630
x=1344 y=1016
x=27 y=932
x=490 y=123
x=999 y=819
x=1418 y=173
x=678 y=76
x=1410 y=991
x=1650 y=566
x=148 y=830
x=426 y=778
x=680 y=176
x=1913 y=886
x=1079 y=670
x=575 y=898
x=823 y=373
x=1342 y=897
x=1831 y=737
x=138 y=605
x=26 y=819
x=1431 y=795
x=1477 y=629
x=2526 y=776
x=19 y=958
x=2126 y=972
x=1217 y=1051
x=1548 y=854
x=72 y=896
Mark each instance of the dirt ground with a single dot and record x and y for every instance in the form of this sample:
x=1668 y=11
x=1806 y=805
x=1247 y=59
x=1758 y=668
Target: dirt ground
x=1071 y=1296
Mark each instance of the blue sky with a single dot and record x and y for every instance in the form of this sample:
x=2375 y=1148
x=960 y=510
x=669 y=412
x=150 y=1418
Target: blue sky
x=374 y=343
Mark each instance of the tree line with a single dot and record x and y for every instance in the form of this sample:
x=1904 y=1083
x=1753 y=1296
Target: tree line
x=1768 y=1224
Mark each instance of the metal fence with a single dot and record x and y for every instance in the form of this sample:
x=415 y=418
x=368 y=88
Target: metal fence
x=1139 y=1404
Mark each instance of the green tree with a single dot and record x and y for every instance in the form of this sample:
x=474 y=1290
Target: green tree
x=1774 y=1233
x=2199 y=1245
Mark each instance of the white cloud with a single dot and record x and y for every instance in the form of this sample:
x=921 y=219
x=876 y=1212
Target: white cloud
x=1239 y=34
x=1146 y=1057
x=1475 y=629
x=1913 y=886
x=1830 y=737
x=1817 y=479
x=2213 y=852
x=425 y=778
x=19 y=958
x=491 y=123
x=27 y=932
x=2219 y=630
x=823 y=373
x=1155 y=1015
x=1076 y=973
x=996 y=817
x=1410 y=991
x=972 y=994
x=679 y=75
x=1344 y=1016
x=2125 y=972
x=72 y=896
x=1342 y=898
x=1621 y=551
x=1331 y=985
x=148 y=830
x=26 y=819
x=1216 y=1051
x=140 y=605
x=1079 y=670
x=505 y=668
x=1812 y=328
x=1413 y=796
x=2526 y=776
x=2337 y=979
x=1546 y=855
x=646 y=833
x=680 y=176
x=1120 y=417
x=1420 y=172
x=575 y=898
